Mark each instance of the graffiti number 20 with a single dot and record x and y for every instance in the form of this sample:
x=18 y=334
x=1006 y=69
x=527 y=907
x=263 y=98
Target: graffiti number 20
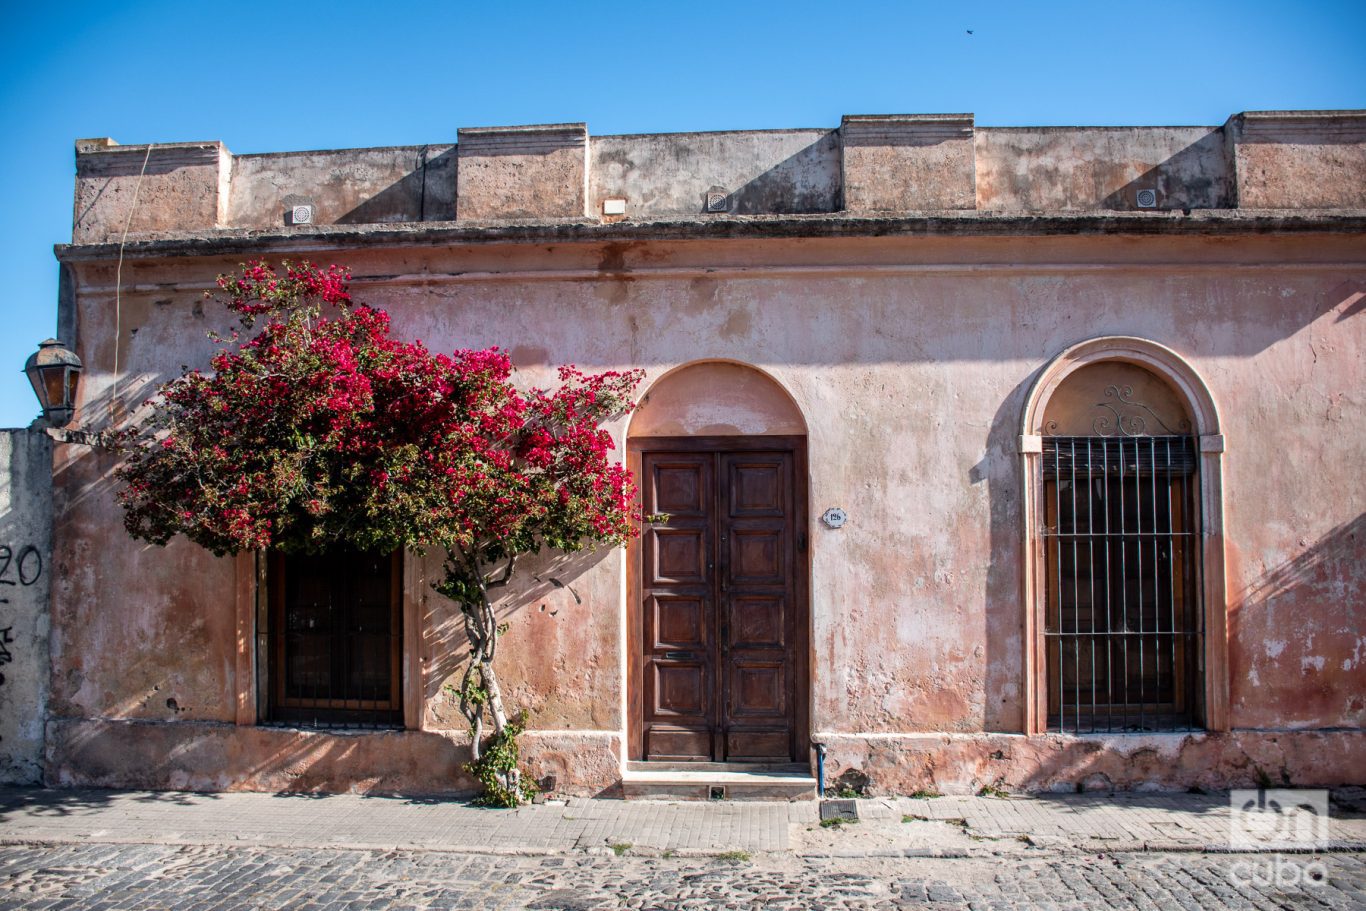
x=27 y=566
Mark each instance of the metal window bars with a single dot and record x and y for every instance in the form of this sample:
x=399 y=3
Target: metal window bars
x=335 y=639
x=1123 y=628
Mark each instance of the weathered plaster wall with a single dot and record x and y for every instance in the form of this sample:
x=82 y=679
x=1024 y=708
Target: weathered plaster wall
x=132 y=614
x=716 y=398
x=346 y=186
x=25 y=599
x=561 y=639
x=958 y=764
x=169 y=187
x=530 y=172
x=908 y=162
x=762 y=170
x=1037 y=169
x=909 y=359
x=201 y=757
x=1299 y=159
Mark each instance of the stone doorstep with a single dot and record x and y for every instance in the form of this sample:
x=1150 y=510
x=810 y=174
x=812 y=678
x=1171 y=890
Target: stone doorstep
x=716 y=781
x=739 y=768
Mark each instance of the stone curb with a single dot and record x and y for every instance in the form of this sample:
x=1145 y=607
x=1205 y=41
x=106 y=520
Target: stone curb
x=377 y=847
x=1333 y=847
x=657 y=853
x=638 y=852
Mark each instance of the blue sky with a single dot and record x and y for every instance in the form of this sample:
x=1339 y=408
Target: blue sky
x=275 y=76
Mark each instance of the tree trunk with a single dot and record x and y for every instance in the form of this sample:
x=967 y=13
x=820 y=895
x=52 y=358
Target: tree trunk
x=479 y=686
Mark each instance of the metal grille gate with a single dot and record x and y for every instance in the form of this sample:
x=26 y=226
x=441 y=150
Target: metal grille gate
x=1123 y=627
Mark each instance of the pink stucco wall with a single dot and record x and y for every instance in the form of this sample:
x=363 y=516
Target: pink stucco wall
x=909 y=359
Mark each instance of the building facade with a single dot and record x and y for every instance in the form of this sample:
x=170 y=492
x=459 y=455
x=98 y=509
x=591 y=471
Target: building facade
x=1026 y=458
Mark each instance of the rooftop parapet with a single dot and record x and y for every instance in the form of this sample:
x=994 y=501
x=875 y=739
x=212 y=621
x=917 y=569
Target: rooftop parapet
x=142 y=189
x=872 y=165
x=908 y=162
x=526 y=172
x=1299 y=159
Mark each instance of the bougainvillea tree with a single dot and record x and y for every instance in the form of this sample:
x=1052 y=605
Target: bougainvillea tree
x=320 y=430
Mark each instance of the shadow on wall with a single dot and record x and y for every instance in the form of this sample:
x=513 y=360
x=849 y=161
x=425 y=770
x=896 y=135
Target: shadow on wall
x=784 y=189
x=1319 y=681
x=1004 y=634
x=97 y=413
x=1351 y=297
x=1321 y=572
x=1197 y=177
x=222 y=757
x=425 y=194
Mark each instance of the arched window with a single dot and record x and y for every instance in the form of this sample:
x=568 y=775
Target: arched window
x=1125 y=614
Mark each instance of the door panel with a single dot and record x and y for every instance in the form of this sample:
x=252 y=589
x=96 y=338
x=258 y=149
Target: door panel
x=756 y=582
x=680 y=622
x=678 y=745
x=719 y=661
x=756 y=489
x=682 y=487
x=757 y=621
x=759 y=689
x=680 y=557
x=679 y=610
x=744 y=745
x=756 y=557
x=681 y=689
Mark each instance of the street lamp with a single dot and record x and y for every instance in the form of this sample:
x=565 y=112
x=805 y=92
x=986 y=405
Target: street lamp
x=54 y=372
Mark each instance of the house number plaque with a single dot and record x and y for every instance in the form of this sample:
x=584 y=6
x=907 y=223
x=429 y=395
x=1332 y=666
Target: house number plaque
x=834 y=517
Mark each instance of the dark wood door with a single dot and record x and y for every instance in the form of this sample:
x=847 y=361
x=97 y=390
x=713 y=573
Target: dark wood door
x=721 y=664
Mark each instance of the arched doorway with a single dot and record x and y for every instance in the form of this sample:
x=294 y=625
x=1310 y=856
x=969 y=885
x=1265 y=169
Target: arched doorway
x=718 y=614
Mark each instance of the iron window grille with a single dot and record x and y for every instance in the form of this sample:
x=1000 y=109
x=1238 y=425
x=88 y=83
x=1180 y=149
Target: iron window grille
x=334 y=640
x=1124 y=626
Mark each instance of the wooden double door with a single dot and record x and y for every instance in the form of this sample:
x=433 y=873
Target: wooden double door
x=721 y=621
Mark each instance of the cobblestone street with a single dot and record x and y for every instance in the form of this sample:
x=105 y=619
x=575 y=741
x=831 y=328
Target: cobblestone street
x=119 y=877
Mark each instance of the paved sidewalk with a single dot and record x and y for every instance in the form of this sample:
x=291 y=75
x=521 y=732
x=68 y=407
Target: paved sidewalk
x=888 y=827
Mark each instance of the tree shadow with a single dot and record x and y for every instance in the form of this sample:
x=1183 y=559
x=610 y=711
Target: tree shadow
x=544 y=585
x=69 y=802
x=210 y=757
